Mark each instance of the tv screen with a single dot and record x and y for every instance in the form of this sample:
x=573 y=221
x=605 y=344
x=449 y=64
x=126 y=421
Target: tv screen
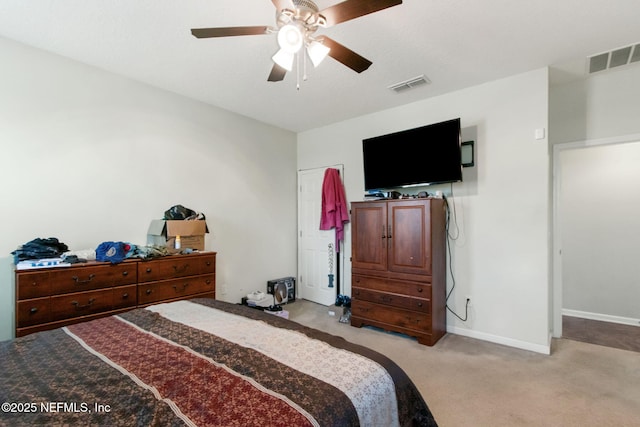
x=425 y=155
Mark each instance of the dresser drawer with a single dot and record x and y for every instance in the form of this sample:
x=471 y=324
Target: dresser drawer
x=416 y=289
x=173 y=266
x=406 y=319
x=81 y=304
x=208 y=264
x=34 y=312
x=125 y=296
x=86 y=278
x=395 y=300
x=33 y=285
x=176 y=288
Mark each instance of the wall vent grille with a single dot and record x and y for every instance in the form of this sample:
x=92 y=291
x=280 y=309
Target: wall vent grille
x=410 y=84
x=615 y=58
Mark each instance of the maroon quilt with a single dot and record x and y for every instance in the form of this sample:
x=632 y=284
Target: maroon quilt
x=201 y=363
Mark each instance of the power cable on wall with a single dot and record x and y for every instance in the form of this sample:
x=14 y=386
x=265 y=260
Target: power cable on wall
x=448 y=242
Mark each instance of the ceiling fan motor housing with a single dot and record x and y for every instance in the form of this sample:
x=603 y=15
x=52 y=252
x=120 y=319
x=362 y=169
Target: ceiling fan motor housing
x=306 y=13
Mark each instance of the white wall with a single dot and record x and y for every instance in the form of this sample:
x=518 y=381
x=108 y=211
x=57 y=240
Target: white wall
x=87 y=156
x=600 y=205
x=603 y=105
x=501 y=257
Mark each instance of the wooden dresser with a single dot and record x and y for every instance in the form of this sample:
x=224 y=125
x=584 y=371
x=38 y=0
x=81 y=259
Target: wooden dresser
x=398 y=268
x=49 y=298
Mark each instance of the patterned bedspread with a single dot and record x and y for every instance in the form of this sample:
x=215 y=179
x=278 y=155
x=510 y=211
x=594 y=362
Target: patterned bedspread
x=201 y=363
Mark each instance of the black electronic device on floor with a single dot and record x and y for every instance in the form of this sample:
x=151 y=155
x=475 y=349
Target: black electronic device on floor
x=289 y=295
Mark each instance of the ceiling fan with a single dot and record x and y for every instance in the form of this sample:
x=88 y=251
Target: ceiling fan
x=297 y=21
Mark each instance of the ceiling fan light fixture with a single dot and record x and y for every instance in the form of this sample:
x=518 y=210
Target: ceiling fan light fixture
x=284 y=59
x=290 y=38
x=317 y=52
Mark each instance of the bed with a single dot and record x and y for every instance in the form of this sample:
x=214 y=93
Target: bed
x=201 y=362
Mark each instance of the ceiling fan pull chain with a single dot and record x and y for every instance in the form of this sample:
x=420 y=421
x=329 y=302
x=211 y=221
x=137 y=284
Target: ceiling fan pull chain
x=304 y=63
x=297 y=71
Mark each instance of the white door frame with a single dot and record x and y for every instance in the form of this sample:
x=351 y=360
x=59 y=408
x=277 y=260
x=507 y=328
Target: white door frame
x=557 y=241
x=340 y=256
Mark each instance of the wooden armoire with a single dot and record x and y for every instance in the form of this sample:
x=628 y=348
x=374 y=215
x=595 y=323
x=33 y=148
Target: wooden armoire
x=398 y=264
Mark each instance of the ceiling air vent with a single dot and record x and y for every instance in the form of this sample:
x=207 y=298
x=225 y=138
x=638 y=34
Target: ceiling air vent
x=614 y=58
x=409 y=84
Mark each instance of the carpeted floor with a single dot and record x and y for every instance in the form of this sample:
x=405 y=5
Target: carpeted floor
x=467 y=382
x=625 y=337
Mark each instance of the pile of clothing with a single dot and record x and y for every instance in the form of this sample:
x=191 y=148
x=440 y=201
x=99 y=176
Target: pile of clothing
x=39 y=249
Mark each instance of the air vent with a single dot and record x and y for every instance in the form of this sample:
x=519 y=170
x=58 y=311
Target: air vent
x=635 y=56
x=614 y=58
x=598 y=62
x=409 y=84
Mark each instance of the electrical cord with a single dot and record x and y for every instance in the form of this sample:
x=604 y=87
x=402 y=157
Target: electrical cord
x=448 y=243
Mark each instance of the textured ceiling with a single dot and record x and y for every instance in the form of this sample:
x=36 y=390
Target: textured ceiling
x=455 y=43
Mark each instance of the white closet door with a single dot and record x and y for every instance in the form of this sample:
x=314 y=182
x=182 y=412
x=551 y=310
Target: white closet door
x=314 y=244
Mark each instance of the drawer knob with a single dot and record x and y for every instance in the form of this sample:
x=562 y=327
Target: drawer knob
x=208 y=263
x=419 y=304
x=419 y=289
x=82 y=282
x=208 y=282
x=148 y=291
x=125 y=295
x=148 y=270
x=125 y=273
x=80 y=307
x=33 y=310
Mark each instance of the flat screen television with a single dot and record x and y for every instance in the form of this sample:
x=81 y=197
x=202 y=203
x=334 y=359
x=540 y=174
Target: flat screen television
x=421 y=156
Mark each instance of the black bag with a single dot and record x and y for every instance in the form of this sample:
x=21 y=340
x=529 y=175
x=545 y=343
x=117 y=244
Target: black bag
x=179 y=212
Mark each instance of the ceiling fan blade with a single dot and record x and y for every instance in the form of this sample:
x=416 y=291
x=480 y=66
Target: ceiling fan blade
x=351 y=9
x=202 y=33
x=277 y=73
x=345 y=55
x=283 y=4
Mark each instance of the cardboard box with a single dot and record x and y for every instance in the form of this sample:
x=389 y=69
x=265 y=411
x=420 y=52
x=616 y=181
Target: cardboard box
x=163 y=233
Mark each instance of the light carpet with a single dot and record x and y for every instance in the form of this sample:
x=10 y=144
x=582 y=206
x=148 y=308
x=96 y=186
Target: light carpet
x=468 y=382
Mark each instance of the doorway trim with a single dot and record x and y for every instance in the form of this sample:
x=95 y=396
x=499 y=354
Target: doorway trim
x=557 y=241
x=339 y=255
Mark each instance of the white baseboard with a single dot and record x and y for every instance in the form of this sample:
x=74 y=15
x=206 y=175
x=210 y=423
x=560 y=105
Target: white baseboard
x=509 y=342
x=601 y=317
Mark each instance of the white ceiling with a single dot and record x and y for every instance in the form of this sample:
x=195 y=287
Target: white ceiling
x=455 y=43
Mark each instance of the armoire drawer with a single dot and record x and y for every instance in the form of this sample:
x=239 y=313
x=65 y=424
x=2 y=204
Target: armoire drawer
x=395 y=300
x=175 y=288
x=407 y=319
x=416 y=289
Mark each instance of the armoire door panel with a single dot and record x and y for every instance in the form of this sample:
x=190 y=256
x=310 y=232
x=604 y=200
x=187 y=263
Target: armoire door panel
x=409 y=244
x=369 y=236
